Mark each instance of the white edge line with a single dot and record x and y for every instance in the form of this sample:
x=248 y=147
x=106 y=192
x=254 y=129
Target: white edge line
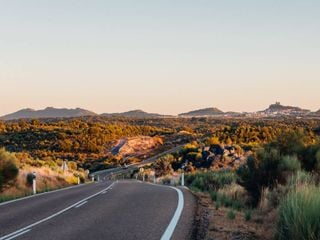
x=19 y=234
x=174 y=221
x=40 y=194
x=81 y=204
x=54 y=215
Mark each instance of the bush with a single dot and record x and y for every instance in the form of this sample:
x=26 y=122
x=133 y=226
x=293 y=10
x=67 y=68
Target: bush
x=299 y=214
x=29 y=179
x=213 y=195
x=210 y=181
x=300 y=178
x=8 y=168
x=231 y=215
x=266 y=170
x=289 y=163
x=248 y=214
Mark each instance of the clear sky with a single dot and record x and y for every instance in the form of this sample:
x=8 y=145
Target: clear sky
x=165 y=56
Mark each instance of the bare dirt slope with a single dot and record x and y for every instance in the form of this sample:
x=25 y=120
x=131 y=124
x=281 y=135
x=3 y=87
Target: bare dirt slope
x=135 y=146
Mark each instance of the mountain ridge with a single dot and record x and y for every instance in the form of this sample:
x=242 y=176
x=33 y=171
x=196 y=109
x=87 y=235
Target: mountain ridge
x=48 y=112
x=202 y=112
x=138 y=113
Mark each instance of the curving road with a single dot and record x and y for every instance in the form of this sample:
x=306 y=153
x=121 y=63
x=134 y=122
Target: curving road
x=105 y=210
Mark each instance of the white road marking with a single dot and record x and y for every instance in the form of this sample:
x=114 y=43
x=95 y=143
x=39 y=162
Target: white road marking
x=54 y=215
x=81 y=204
x=174 y=221
x=19 y=234
x=40 y=194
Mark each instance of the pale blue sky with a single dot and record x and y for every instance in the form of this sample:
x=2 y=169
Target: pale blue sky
x=166 y=56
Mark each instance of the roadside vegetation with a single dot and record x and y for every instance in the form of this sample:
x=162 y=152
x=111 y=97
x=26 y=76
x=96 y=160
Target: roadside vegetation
x=262 y=176
x=278 y=185
x=16 y=169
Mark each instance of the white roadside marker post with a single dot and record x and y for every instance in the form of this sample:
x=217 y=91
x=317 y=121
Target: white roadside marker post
x=182 y=176
x=34 y=184
x=153 y=174
x=182 y=179
x=78 y=180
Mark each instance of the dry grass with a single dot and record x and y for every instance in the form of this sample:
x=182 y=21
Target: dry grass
x=47 y=179
x=260 y=227
x=234 y=191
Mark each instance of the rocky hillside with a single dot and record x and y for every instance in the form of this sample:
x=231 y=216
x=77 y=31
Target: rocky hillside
x=48 y=112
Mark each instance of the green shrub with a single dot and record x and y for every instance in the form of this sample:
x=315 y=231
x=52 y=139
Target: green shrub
x=300 y=178
x=218 y=205
x=8 y=167
x=259 y=172
x=248 y=214
x=213 y=195
x=210 y=181
x=231 y=215
x=299 y=214
x=266 y=170
x=236 y=205
x=29 y=179
x=289 y=163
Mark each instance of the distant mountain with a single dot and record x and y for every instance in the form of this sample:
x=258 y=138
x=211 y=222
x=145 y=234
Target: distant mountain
x=133 y=114
x=317 y=112
x=48 y=112
x=279 y=109
x=203 y=113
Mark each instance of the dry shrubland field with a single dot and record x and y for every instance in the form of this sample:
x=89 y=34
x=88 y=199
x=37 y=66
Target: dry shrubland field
x=259 y=178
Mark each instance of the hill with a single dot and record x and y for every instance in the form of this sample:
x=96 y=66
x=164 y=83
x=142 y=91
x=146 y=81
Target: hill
x=202 y=112
x=133 y=114
x=277 y=108
x=48 y=112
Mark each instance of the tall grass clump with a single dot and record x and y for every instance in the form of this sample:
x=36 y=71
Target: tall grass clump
x=299 y=214
x=210 y=181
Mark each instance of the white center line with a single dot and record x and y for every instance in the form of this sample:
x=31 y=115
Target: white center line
x=54 y=215
x=81 y=204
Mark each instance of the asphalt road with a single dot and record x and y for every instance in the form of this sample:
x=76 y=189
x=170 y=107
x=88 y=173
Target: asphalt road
x=106 y=173
x=106 y=210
